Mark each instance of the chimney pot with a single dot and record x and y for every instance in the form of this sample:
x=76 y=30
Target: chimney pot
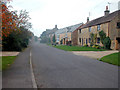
x=87 y=19
x=107 y=11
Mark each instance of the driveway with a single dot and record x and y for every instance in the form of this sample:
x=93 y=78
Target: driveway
x=94 y=54
x=9 y=53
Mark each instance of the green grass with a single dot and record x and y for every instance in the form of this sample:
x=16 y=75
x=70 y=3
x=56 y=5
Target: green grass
x=77 y=48
x=7 y=61
x=112 y=59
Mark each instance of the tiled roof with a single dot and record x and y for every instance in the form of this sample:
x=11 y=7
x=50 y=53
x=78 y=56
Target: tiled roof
x=68 y=29
x=101 y=20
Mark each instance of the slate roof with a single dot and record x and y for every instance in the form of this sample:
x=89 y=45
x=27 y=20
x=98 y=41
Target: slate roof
x=68 y=29
x=101 y=20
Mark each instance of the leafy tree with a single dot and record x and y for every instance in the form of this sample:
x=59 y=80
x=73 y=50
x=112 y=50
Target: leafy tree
x=92 y=39
x=61 y=41
x=107 y=43
x=53 y=39
x=12 y=42
x=102 y=36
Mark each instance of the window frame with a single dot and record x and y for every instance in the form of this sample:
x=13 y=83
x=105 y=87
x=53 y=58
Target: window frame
x=98 y=27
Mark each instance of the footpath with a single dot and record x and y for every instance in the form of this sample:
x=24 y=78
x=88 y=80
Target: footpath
x=19 y=74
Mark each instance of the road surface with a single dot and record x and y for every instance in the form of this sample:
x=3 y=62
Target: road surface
x=54 y=68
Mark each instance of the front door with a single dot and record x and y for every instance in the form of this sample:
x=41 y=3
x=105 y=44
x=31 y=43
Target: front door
x=118 y=43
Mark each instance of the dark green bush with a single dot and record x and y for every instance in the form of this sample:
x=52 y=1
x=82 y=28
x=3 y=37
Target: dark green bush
x=107 y=43
x=12 y=42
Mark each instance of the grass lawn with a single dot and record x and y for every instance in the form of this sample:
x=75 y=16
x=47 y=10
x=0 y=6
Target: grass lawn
x=7 y=61
x=112 y=59
x=77 y=48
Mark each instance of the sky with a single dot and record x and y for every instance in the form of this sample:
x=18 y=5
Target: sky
x=45 y=14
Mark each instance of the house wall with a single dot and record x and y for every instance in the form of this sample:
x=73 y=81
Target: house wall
x=114 y=33
x=65 y=37
x=75 y=38
x=85 y=34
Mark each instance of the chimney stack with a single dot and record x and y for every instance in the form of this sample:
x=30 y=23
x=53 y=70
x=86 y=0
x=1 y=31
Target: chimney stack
x=55 y=26
x=87 y=19
x=106 y=11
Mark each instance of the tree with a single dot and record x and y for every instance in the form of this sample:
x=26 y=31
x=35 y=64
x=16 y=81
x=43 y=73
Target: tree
x=92 y=39
x=53 y=39
x=106 y=41
x=8 y=22
x=102 y=36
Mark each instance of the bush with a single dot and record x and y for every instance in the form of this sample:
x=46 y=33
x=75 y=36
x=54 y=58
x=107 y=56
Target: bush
x=12 y=43
x=96 y=46
x=107 y=43
x=85 y=45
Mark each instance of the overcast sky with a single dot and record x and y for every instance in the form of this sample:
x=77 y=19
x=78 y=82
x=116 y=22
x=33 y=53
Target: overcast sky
x=45 y=14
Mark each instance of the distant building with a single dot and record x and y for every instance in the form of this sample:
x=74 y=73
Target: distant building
x=64 y=35
x=48 y=35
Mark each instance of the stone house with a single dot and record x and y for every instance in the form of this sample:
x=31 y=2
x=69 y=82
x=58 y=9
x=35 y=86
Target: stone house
x=64 y=35
x=75 y=36
x=109 y=23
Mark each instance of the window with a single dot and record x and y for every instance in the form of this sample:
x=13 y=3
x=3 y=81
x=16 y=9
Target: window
x=98 y=40
x=80 y=40
x=79 y=30
x=86 y=40
x=89 y=29
x=98 y=27
x=118 y=24
x=89 y=40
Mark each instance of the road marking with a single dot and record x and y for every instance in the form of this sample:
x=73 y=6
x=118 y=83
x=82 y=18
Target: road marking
x=33 y=77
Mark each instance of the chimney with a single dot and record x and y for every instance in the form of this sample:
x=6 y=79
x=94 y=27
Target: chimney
x=55 y=26
x=87 y=19
x=106 y=11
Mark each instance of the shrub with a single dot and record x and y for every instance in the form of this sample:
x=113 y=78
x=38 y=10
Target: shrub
x=107 y=43
x=85 y=45
x=12 y=43
x=94 y=46
x=102 y=36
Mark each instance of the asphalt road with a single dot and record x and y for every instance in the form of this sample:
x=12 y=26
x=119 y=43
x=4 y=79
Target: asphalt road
x=54 y=68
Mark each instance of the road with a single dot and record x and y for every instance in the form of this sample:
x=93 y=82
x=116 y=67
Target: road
x=54 y=68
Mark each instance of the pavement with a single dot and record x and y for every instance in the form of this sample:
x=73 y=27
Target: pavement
x=94 y=54
x=9 y=53
x=54 y=68
x=19 y=74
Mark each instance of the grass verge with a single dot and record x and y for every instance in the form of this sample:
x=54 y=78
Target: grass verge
x=112 y=59
x=7 y=61
x=77 y=48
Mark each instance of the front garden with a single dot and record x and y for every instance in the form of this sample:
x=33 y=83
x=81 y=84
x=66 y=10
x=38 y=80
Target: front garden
x=112 y=59
x=78 y=48
x=7 y=61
